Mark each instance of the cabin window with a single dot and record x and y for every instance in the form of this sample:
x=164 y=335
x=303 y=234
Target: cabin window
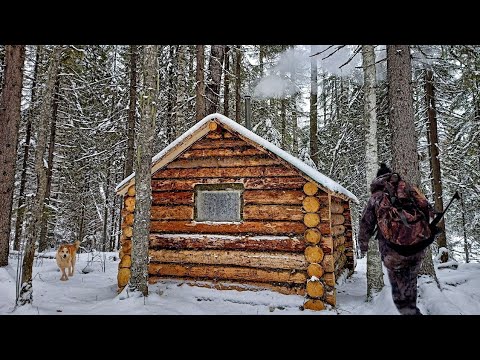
x=218 y=202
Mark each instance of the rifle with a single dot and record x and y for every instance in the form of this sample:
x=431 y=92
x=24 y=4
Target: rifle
x=439 y=216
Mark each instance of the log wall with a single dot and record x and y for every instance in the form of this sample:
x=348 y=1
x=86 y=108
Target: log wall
x=265 y=249
x=294 y=237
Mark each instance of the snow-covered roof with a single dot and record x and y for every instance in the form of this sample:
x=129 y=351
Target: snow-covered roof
x=200 y=129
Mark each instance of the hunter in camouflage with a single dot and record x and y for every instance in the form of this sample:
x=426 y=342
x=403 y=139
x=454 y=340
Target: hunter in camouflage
x=402 y=270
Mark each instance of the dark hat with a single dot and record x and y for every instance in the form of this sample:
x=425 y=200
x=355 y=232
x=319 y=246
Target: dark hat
x=384 y=169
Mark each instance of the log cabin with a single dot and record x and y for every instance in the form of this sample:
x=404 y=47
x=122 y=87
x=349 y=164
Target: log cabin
x=233 y=211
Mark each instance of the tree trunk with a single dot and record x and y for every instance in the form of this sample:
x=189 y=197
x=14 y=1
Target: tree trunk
x=465 y=241
x=131 y=111
x=238 y=83
x=200 y=87
x=171 y=96
x=434 y=158
x=313 y=109
x=370 y=111
x=143 y=183
x=403 y=139
x=37 y=207
x=226 y=82
x=105 y=210
x=9 y=122
x=212 y=92
x=181 y=90
x=28 y=134
x=374 y=262
x=42 y=242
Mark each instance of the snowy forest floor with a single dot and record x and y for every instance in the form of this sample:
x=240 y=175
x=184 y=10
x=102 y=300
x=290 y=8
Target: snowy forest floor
x=94 y=292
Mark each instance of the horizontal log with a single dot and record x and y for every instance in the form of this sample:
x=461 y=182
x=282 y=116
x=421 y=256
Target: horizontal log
x=131 y=190
x=312 y=236
x=255 y=259
x=310 y=188
x=328 y=263
x=336 y=208
x=314 y=304
x=331 y=297
x=246 y=227
x=315 y=270
x=227 y=134
x=129 y=219
x=287 y=197
x=219 y=152
x=227 y=172
x=326 y=244
x=286 y=289
x=340 y=264
x=272 y=212
x=125 y=212
x=311 y=219
x=123 y=276
x=213 y=144
x=287 y=183
x=339 y=240
x=329 y=278
x=313 y=254
x=127 y=231
x=214 y=162
x=325 y=228
x=226 y=273
x=129 y=203
x=172 y=198
x=338 y=230
x=127 y=247
x=325 y=213
x=337 y=219
x=315 y=289
x=125 y=262
x=214 y=135
x=181 y=212
x=212 y=126
x=311 y=204
x=262 y=243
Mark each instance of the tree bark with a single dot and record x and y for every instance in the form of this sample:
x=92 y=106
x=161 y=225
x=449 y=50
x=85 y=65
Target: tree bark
x=465 y=241
x=181 y=90
x=226 y=83
x=171 y=95
x=212 y=92
x=28 y=134
x=238 y=83
x=434 y=158
x=403 y=138
x=131 y=111
x=313 y=109
x=37 y=206
x=374 y=262
x=143 y=184
x=200 y=86
x=9 y=122
x=42 y=242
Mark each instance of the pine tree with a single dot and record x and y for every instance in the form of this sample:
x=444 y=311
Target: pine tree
x=143 y=183
x=9 y=123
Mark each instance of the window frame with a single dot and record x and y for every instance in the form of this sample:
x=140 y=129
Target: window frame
x=225 y=187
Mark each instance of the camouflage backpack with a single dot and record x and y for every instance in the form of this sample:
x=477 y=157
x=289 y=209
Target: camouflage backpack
x=400 y=217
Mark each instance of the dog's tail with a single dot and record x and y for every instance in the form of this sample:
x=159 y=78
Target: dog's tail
x=77 y=244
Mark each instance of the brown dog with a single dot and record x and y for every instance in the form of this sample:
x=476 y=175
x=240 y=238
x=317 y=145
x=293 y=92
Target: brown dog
x=66 y=256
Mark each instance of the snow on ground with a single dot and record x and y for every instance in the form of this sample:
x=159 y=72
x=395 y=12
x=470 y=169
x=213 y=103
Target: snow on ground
x=94 y=292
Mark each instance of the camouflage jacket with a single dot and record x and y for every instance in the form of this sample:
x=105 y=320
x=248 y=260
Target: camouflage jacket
x=368 y=223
